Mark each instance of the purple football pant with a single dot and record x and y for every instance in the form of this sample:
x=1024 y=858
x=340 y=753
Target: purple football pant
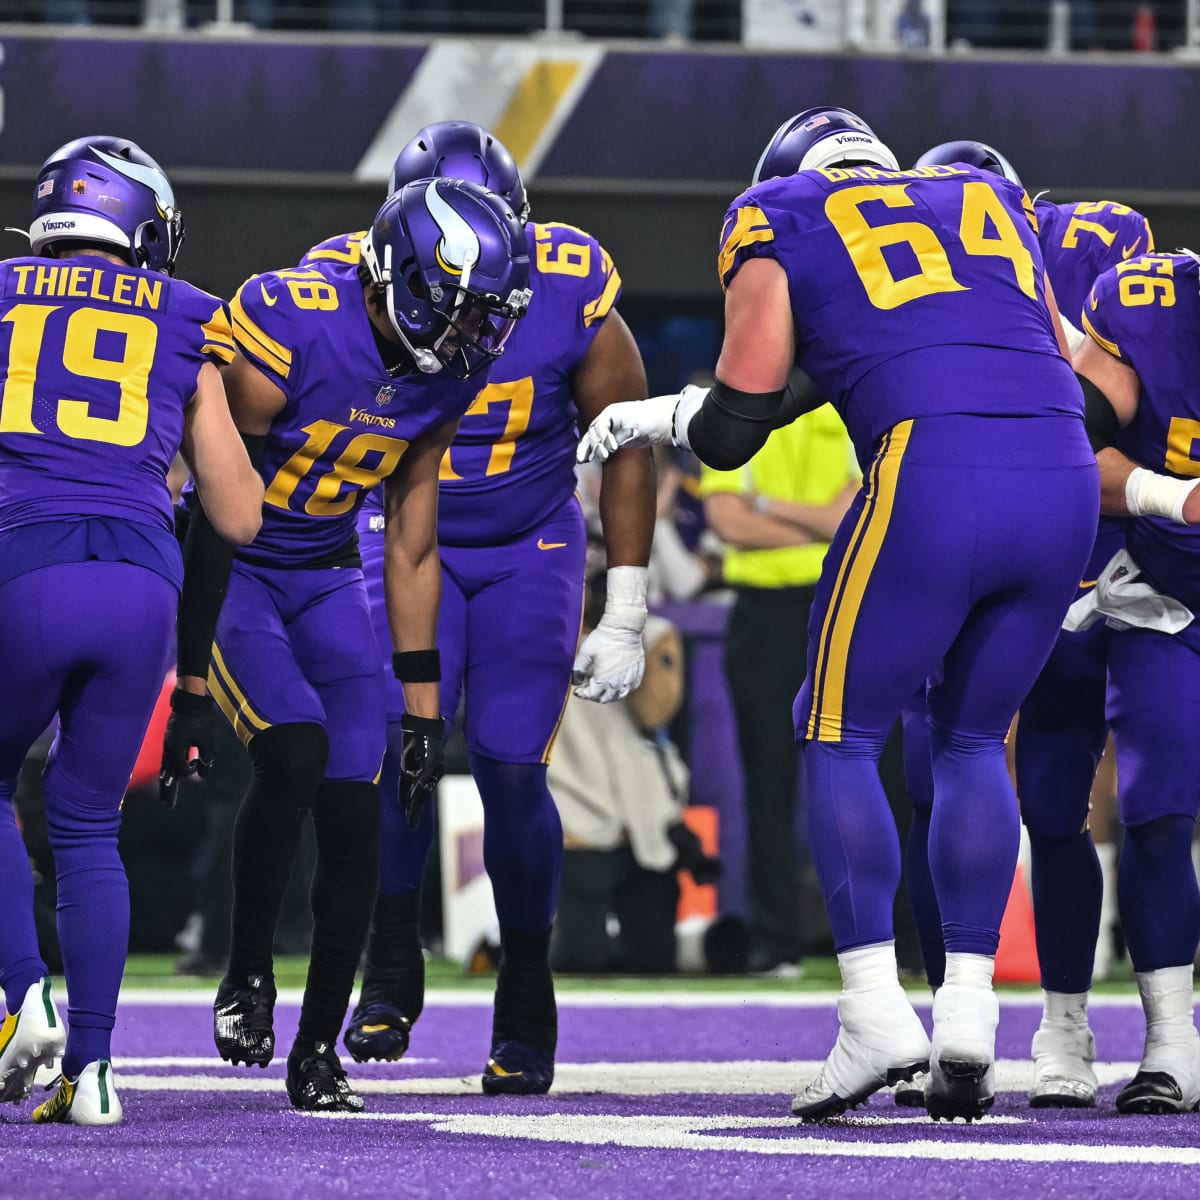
x=88 y=641
x=508 y=631
x=1154 y=709
x=299 y=647
x=957 y=560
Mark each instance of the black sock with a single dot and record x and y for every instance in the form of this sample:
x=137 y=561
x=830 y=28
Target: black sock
x=395 y=970
x=525 y=1010
x=288 y=763
x=346 y=820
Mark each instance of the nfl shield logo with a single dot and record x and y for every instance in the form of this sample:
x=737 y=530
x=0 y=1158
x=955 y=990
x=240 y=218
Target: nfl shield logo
x=384 y=394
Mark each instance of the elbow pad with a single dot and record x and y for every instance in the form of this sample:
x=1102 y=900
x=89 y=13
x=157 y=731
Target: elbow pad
x=1098 y=415
x=799 y=397
x=731 y=427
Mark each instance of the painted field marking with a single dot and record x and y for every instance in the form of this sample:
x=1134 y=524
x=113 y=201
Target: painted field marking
x=702 y=1133
x=172 y=1062
x=601 y=998
x=744 y=1077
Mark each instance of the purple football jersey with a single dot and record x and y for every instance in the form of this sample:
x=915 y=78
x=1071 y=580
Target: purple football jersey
x=1081 y=241
x=915 y=293
x=512 y=463
x=346 y=424
x=98 y=362
x=1146 y=312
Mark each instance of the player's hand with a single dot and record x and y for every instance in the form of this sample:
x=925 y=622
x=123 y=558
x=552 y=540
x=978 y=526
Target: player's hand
x=423 y=763
x=1191 y=507
x=612 y=659
x=630 y=423
x=610 y=663
x=191 y=726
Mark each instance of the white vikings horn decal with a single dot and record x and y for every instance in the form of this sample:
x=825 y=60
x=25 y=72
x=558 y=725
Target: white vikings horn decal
x=156 y=181
x=458 y=250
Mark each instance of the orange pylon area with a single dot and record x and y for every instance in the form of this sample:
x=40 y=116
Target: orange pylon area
x=1016 y=958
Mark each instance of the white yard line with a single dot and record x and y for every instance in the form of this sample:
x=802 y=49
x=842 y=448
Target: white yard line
x=744 y=1077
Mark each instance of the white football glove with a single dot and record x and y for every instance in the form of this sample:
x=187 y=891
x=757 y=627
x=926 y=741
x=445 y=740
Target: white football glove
x=611 y=660
x=659 y=421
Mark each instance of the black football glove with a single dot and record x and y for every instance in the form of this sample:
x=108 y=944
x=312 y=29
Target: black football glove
x=424 y=763
x=703 y=869
x=192 y=724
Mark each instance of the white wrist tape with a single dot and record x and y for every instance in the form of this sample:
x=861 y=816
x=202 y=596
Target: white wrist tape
x=687 y=407
x=1148 y=494
x=1075 y=337
x=625 y=603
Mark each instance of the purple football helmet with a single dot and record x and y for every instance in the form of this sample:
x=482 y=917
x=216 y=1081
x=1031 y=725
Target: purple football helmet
x=107 y=191
x=974 y=154
x=461 y=150
x=451 y=261
x=821 y=137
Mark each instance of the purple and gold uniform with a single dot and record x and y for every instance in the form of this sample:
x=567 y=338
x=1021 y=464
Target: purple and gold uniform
x=510 y=531
x=1146 y=313
x=294 y=642
x=920 y=312
x=1062 y=726
x=98 y=363
x=1136 y=312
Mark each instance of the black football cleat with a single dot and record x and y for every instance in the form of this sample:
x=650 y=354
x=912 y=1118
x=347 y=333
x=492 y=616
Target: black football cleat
x=377 y=1031
x=518 y=1069
x=243 y=1020
x=318 y=1083
x=1153 y=1094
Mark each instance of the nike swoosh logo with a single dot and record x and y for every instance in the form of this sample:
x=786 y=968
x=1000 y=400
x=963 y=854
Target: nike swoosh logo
x=267 y=298
x=1127 y=251
x=550 y=545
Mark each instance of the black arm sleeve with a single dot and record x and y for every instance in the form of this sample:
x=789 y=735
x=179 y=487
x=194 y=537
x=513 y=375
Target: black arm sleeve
x=1098 y=415
x=731 y=427
x=207 y=562
x=799 y=397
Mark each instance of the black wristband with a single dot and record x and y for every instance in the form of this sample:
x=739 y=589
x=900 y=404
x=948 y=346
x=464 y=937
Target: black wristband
x=418 y=666
x=429 y=726
x=190 y=702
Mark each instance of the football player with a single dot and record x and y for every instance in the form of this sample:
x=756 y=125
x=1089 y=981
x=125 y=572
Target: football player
x=1062 y=729
x=512 y=543
x=962 y=550
x=90 y=569
x=1142 y=360
x=348 y=375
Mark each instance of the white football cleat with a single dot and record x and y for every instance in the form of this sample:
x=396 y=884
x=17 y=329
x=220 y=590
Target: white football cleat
x=1168 y=1079
x=30 y=1039
x=881 y=1041
x=910 y=1093
x=1063 y=1053
x=962 y=1077
x=89 y=1100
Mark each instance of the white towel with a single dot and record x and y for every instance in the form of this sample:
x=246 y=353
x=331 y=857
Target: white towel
x=1124 y=600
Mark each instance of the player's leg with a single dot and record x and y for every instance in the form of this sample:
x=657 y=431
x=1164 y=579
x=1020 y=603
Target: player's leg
x=523 y=629
x=105 y=632
x=258 y=685
x=765 y=672
x=1026 y=571
x=32 y=1033
x=1154 y=696
x=335 y=645
x=918 y=779
x=1060 y=738
x=884 y=573
x=393 y=987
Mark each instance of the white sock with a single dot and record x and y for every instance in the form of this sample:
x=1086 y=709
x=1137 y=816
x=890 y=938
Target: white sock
x=1065 y=1008
x=970 y=970
x=868 y=968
